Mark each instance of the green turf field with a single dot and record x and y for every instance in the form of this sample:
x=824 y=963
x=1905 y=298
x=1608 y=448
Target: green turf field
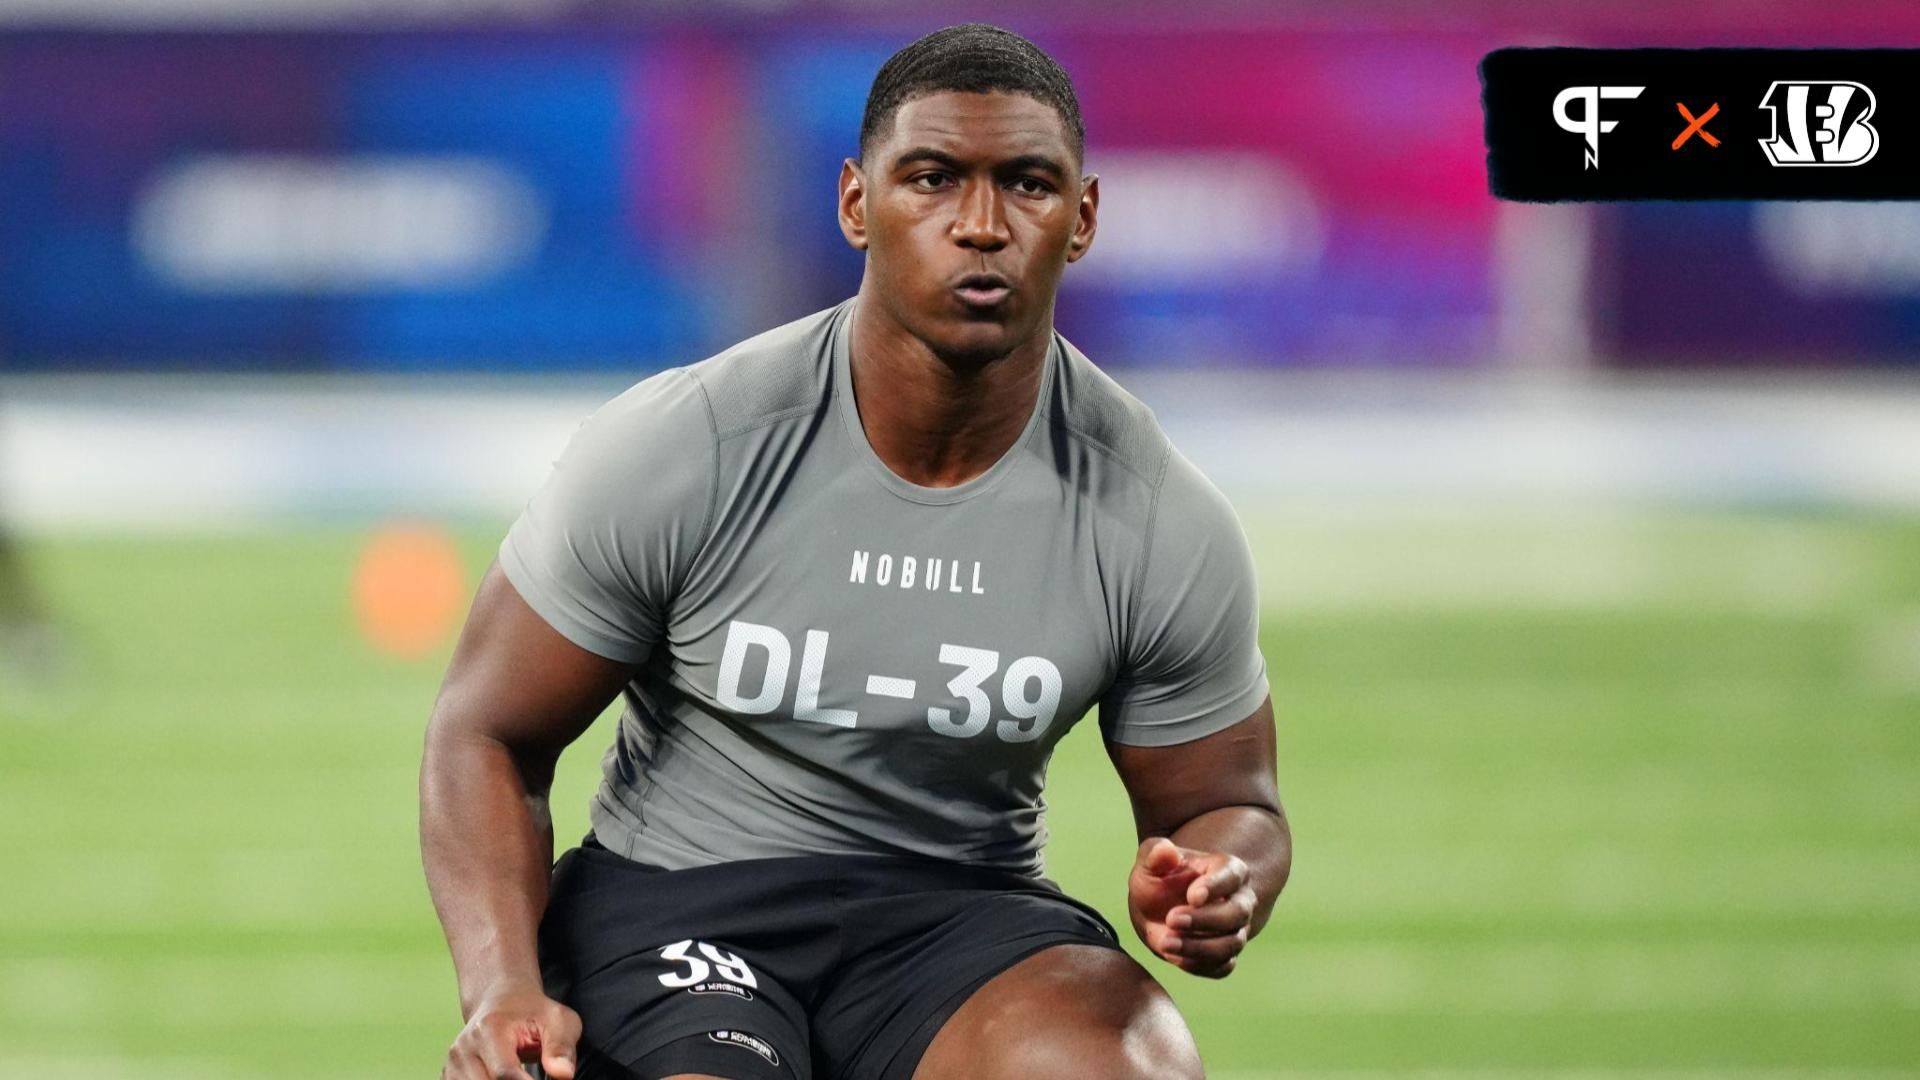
x=1583 y=794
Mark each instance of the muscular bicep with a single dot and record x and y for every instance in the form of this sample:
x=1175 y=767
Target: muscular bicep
x=516 y=680
x=1172 y=785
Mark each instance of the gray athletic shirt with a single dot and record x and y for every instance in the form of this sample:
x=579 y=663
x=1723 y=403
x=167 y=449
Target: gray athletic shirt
x=835 y=660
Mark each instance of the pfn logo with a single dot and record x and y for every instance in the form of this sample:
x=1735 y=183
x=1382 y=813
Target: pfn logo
x=1826 y=124
x=1590 y=125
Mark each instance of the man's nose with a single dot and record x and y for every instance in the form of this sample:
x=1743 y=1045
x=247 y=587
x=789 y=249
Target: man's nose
x=981 y=221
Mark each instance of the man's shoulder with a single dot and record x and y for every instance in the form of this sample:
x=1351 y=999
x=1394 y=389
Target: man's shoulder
x=1100 y=414
x=781 y=372
x=1103 y=416
x=774 y=373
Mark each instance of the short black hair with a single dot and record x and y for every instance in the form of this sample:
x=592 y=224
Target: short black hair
x=973 y=58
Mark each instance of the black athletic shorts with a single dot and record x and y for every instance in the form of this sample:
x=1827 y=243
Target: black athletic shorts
x=815 y=966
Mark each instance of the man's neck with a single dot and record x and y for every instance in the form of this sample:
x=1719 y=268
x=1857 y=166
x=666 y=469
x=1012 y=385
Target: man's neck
x=932 y=422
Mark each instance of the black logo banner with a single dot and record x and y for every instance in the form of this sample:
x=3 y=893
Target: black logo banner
x=1604 y=124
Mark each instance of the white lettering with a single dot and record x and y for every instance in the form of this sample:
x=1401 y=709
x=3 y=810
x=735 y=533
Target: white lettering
x=978 y=665
x=890 y=686
x=731 y=967
x=929 y=572
x=740 y=637
x=806 y=704
x=697 y=969
x=1038 y=706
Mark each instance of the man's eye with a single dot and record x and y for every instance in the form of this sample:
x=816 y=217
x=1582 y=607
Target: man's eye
x=931 y=181
x=1027 y=185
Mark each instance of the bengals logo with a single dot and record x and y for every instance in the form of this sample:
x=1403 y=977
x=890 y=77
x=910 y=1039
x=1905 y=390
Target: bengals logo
x=1826 y=124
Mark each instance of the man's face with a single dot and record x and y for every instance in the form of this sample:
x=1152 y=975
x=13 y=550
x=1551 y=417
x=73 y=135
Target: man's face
x=969 y=209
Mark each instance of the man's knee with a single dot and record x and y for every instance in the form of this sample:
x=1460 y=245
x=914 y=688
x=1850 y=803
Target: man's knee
x=1150 y=1043
x=1143 y=1050
x=1068 y=1013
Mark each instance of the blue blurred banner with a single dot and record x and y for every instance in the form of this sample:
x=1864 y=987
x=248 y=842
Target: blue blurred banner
x=346 y=200
x=637 y=196
x=1787 y=284
x=641 y=197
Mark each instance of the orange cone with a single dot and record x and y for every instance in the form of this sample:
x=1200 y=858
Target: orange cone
x=407 y=588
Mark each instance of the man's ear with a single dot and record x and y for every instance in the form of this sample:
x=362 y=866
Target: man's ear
x=853 y=204
x=1088 y=221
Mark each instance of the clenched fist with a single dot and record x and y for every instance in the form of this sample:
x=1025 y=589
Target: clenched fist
x=1194 y=909
x=514 y=1028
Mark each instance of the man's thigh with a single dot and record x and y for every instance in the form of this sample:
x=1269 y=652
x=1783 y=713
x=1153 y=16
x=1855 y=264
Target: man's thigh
x=688 y=1058
x=1065 y=1012
x=677 y=972
x=921 y=940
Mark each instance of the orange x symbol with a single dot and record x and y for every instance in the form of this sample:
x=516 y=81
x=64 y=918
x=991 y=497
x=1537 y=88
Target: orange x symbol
x=1699 y=125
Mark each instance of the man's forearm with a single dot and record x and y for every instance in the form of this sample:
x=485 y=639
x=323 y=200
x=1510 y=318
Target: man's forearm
x=1259 y=836
x=487 y=843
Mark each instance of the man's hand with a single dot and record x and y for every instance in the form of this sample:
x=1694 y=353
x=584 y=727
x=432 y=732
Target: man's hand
x=1194 y=909
x=512 y=1029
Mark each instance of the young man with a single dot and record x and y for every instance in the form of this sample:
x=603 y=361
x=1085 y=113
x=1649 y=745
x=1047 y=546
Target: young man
x=855 y=578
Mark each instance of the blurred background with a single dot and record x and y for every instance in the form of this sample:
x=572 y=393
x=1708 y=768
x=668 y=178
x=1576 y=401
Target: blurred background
x=1589 y=536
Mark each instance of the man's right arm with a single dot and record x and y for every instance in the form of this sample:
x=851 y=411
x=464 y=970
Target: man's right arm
x=516 y=694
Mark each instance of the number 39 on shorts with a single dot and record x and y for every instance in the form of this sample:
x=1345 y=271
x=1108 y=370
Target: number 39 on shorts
x=702 y=968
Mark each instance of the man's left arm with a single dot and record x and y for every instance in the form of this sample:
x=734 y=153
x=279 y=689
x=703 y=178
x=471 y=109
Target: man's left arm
x=1189 y=724
x=1215 y=848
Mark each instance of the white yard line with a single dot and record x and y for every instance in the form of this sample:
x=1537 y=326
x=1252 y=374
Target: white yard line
x=197 y=453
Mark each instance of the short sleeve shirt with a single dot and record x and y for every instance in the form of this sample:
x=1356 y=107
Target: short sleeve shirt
x=830 y=659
